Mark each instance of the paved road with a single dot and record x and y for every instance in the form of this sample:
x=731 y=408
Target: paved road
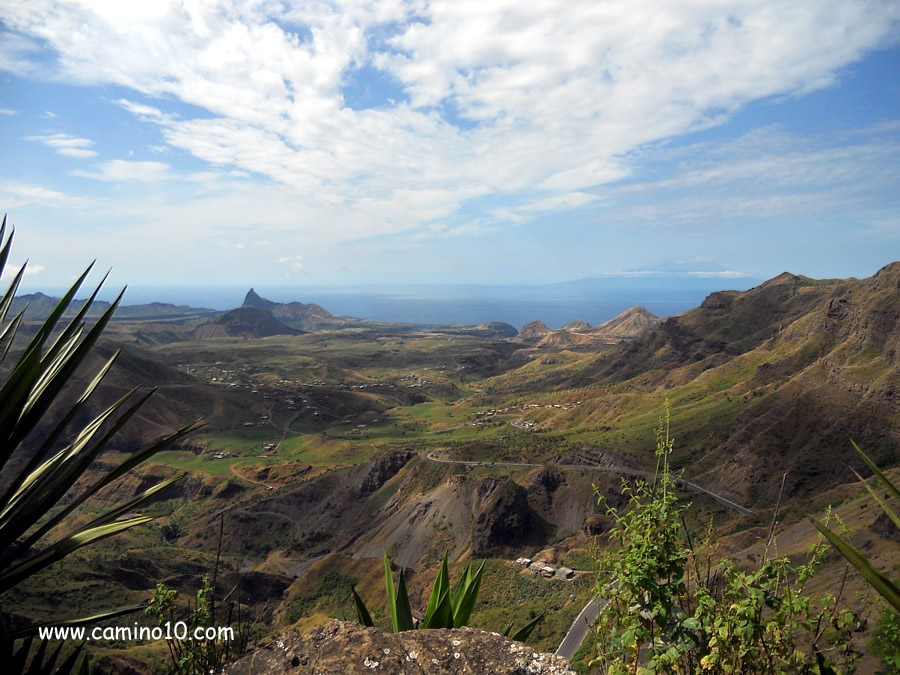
x=580 y=627
x=606 y=469
x=586 y=618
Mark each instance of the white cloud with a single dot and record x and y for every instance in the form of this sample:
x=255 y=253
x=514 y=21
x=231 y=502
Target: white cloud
x=539 y=104
x=6 y=112
x=121 y=170
x=14 y=195
x=64 y=144
x=766 y=173
x=48 y=115
x=444 y=231
x=294 y=263
x=12 y=270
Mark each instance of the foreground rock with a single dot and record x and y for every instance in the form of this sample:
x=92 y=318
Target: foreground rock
x=347 y=648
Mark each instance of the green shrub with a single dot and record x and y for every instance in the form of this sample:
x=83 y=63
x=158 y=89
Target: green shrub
x=886 y=639
x=447 y=607
x=674 y=607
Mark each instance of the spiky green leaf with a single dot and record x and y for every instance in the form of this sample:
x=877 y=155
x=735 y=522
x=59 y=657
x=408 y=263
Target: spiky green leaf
x=884 y=586
x=884 y=479
x=467 y=599
x=362 y=612
x=61 y=549
x=883 y=504
x=442 y=616
x=391 y=596
x=403 y=608
x=524 y=632
x=32 y=630
x=438 y=591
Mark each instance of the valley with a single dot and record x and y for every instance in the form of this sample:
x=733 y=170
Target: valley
x=329 y=440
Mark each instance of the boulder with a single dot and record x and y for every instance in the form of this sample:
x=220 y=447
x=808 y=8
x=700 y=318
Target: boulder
x=347 y=648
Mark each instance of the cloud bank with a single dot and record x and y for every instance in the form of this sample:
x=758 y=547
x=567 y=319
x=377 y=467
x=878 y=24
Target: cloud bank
x=536 y=102
x=337 y=127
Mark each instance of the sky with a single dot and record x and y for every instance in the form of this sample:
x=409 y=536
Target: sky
x=279 y=143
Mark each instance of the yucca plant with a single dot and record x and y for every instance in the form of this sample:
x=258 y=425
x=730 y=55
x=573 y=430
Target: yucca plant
x=884 y=586
x=447 y=607
x=35 y=529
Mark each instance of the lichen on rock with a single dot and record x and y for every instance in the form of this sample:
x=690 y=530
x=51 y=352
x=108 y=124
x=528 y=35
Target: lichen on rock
x=348 y=648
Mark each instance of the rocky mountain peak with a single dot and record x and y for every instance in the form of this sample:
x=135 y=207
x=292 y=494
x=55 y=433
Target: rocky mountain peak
x=534 y=330
x=253 y=299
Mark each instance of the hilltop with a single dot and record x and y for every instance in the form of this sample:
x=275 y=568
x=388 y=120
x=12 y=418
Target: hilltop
x=631 y=323
x=244 y=322
x=305 y=317
x=580 y=335
x=534 y=331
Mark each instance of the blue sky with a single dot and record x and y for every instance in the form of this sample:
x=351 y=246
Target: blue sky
x=277 y=143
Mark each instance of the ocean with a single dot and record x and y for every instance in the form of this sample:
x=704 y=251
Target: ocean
x=593 y=300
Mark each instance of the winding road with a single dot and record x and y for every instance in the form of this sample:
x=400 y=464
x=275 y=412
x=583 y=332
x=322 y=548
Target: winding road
x=586 y=618
x=625 y=471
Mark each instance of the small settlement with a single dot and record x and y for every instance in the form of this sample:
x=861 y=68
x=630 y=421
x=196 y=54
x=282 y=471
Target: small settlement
x=546 y=570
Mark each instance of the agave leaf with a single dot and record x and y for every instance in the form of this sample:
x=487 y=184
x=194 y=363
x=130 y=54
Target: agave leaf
x=32 y=481
x=37 y=662
x=468 y=598
x=7 y=299
x=85 y=667
x=38 y=667
x=49 y=664
x=41 y=399
x=133 y=503
x=389 y=588
x=78 y=320
x=5 y=253
x=44 y=487
x=52 y=437
x=890 y=486
x=37 y=379
x=16 y=573
x=137 y=458
x=13 y=394
x=32 y=353
x=442 y=617
x=438 y=591
x=14 y=285
x=68 y=666
x=21 y=656
x=362 y=611
x=55 y=473
x=506 y=631
x=404 y=611
x=30 y=631
x=133 y=460
x=878 y=581
x=8 y=335
x=884 y=506
x=461 y=583
x=525 y=631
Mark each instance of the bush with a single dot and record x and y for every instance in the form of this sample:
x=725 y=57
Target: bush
x=675 y=608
